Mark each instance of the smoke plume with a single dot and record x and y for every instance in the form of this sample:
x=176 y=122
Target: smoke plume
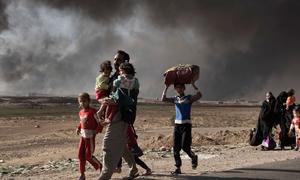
x=244 y=48
x=3 y=20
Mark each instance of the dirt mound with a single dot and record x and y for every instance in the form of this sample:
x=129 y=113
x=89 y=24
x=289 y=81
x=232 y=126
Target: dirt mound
x=157 y=142
x=217 y=138
x=220 y=138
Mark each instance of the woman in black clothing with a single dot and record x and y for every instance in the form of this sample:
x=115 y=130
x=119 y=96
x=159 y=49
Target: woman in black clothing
x=283 y=117
x=266 y=119
x=266 y=115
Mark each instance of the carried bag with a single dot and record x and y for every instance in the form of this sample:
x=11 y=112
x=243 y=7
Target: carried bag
x=182 y=74
x=269 y=143
x=255 y=137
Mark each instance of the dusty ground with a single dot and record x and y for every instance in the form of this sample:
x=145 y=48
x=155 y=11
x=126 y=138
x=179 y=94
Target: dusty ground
x=39 y=145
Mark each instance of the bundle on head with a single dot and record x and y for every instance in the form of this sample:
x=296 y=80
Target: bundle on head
x=182 y=74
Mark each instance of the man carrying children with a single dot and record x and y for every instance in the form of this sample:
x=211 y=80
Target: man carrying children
x=115 y=138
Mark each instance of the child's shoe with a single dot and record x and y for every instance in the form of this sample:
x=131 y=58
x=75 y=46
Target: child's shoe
x=195 y=162
x=176 y=172
x=147 y=173
x=296 y=148
x=133 y=174
x=282 y=147
x=81 y=177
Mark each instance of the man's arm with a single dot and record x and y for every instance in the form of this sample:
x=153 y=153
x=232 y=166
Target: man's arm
x=164 y=98
x=196 y=97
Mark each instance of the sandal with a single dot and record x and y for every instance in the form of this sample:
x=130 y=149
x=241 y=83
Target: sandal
x=147 y=173
x=176 y=172
x=132 y=175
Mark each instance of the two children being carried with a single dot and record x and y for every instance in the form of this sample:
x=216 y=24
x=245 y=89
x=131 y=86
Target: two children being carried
x=125 y=90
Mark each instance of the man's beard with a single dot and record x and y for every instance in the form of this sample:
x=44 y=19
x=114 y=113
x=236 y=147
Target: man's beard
x=116 y=67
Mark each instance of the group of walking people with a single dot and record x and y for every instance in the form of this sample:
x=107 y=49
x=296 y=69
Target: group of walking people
x=280 y=113
x=117 y=95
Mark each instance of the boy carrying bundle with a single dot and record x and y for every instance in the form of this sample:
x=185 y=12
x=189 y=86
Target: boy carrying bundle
x=182 y=134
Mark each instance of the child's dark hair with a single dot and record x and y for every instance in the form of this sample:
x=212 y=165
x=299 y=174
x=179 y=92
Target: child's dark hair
x=297 y=108
x=84 y=95
x=127 y=68
x=179 y=85
x=105 y=65
x=125 y=55
x=291 y=92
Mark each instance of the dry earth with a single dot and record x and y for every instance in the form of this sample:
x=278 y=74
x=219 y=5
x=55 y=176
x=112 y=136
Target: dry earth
x=43 y=146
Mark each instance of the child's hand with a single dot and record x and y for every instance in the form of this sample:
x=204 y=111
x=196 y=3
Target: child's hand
x=104 y=122
x=195 y=87
x=165 y=90
x=102 y=115
x=77 y=131
x=166 y=87
x=107 y=121
x=101 y=122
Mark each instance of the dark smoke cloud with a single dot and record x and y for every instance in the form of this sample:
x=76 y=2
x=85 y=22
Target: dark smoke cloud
x=46 y=50
x=3 y=19
x=249 y=41
x=244 y=48
x=104 y=11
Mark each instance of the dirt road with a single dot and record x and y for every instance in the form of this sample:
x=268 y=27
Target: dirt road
x=42 y=146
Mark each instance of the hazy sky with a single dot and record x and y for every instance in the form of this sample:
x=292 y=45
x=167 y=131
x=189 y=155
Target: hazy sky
x=243 y=48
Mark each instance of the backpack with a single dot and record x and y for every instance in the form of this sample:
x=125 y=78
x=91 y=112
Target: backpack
x=126 y=104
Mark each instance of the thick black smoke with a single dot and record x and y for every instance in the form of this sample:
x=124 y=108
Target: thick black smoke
x=47 y=50
x=107 y=11
x=250 y=42
x=3 y=19
x=244 y=48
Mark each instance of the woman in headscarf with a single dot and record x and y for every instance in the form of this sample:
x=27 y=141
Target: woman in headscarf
x=266 y=120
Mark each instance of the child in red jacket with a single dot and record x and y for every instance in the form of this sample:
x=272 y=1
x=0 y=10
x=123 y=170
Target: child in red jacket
x=88 y=127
